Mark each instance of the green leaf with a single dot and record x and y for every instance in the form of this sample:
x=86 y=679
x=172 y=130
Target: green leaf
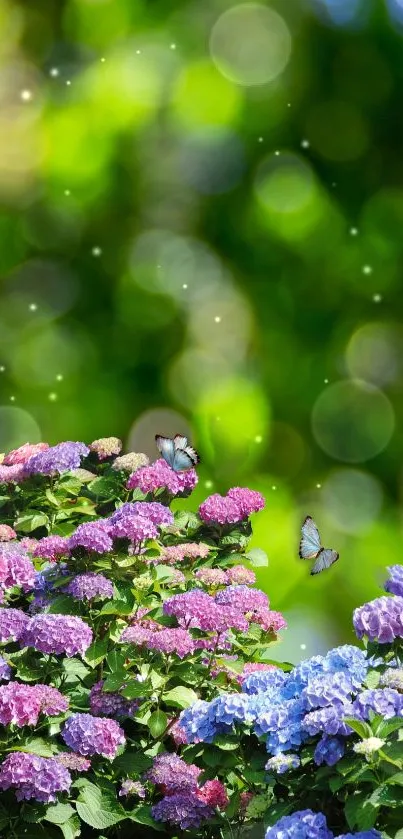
x=29 y=523
x=395 y=779
x=114 y=681
x=99 y=808
x=64 y=605
x=59 y=813
x=36 y=746
x=257 y=558
x=142 y=815
x=116 y=607
x=157 y=723
x=388 y=726
x=360 y=811
x=132 y=763
x=133 y=689
x=372 y=679
x=75 y=670
x=96 y=652
x=226 y=742
x=72 y=828
x=105 y=488
x=180 y=697
x=361 y=728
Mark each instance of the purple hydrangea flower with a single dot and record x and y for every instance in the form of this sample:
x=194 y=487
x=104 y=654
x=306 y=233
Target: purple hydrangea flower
x=303 y=824
x=380 y=620
x=138 y=635
x=93 y=536
x=243 y=598
x=5 y=670
x=103 y=703
x=160 y=476
x=58 y=634
x=282 y=763
x=328 y=689
x=23 y=453
x=195 y=608
x=329 y=720
x=173 y=773
x=168 y=641
x=130 y=787
x=21 y=704
x=136 y=528
x=384 y=701
x=51 y=548
x=31 y=776
x=12 y=624
x=90 y=585
x=152 y=510
x=90 y=735
x=249 y=501
x=60 y=458
x=220 y=509
x=329 y=750
x=16 y=568
x=76 y=763
x=394 y=585
x=183 y=809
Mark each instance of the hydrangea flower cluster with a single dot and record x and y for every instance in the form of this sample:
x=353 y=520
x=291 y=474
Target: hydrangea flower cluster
x=56 y=459
x=106 y=447
x=380 y=620
x=305 y=824
x=185 y=803
x=21 y=704
x=51 y=548
x=58 y=634
x=394 y=585
x=89 y=735
x=130 y=462
x=31 y=776
x=92 y=536
x=188 y=550
x=160 y=476
x=108 y=704
x=152 y=510
x=89 y=586
x=7 y=533
x=12 y=624
x=23 y=453
x=238 y=504
x=16 y=568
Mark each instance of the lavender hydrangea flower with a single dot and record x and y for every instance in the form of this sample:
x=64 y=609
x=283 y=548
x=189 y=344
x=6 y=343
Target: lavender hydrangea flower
x=160 y=476
x=5 y=670
x=58 y=634
x=106 y=447
x=243 y=598
x=328 y=689
x=51 y=548
x=136 y=528
x=384 y=701
x=380 y=620
x=31 y=776
x=282 y=763
x=329 y=750
x=89 y=586
x=303 y=824
x=154 y=511
x=130 y=787
x=183 y=809
x=169 y=641
x=16 y=568
x=173 y=773
x=107 y=704
x=90 y=735
x=56 y=459
x=21 y=704
x=12 y=624
x=76 y=763
x=93 y=536
x=394 y=585
x=329 y=720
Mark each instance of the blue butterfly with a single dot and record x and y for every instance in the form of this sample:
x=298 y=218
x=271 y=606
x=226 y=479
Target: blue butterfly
x=176 y=452
x=310 y=547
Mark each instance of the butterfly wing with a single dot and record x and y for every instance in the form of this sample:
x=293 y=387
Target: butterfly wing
x=325 y=558
x=182 y=461
x=192 y=453
x=309 y=545
x=167 y=448
x=180 y=442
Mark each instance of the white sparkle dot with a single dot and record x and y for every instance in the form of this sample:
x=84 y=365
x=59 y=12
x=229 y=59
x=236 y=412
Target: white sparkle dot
x=26 y=95
x=274 y=486
x=326 y=381
x=217 y=319
x=208 y=484
x=260 y=139
x=96 y=251
x=12 y=398
x=302 y=646
x=103 y=59
x=2 y=368
x=305 y=144
x=52 y=397
x=377 y=298
x=138 y=52
x=59 y=377
x=68 y=83
x=367 y=269
x=33 y=307
x=353 y=231
x=54 y=72
x=277 y=153
x=318 y=486
x=288 y=104
x=185 y=285
x=67 y=192
x=258 y=438
x=173 y=46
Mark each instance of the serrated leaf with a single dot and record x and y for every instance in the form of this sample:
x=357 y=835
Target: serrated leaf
x=180 y=697
x=31 y=522
x=59 y=813
x=142 y=815
x=114 y=681
x=96 y=652
x=35 y=746
x=133 y=763
x=72 y=828
x=99 y=808
x=360 y=728
x=157 y=723
x=389 y=726
x=360 y=811
x=257 y=558
x=64 y=605
x=105 y=488
x=134 y=689
x=116 y=607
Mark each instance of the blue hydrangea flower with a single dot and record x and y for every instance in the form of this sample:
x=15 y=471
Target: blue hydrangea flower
x=394 y=585
x=329 y=750
x=196 y=723
x=384 y=701
x=263 y=680
x=328 y=689
x=282 y=725
x=349 y=659
x=329 y=720
x=282 y=763
x=304 y=824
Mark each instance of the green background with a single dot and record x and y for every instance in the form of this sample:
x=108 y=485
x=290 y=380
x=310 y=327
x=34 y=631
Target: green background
x=201 y=231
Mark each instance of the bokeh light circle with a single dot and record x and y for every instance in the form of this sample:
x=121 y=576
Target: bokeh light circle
x=352 y=499
x=163 y=421
x=284 y=184
x=250 y=44
x=16 y=428
x=352 y=421
x=374 y=353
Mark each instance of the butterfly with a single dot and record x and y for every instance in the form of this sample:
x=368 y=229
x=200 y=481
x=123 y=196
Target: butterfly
x=176 y=452
x=310 y=547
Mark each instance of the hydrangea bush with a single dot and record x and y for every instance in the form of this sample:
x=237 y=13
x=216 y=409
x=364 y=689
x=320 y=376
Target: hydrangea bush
x=137 y=691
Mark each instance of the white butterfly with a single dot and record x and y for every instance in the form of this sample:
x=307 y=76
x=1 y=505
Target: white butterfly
x=177 y=453
x=310 y=547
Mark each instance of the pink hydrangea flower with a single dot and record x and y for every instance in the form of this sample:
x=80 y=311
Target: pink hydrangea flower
x=31 y=776
x=239 y=575
x=11 y=474
x=16 y=568
x=12 y=624
x=7 y=533
x=22 y=704
x=76 y=763
x=211 y=576
x=249 y=501
x=160 y=476
x=219 y=509
x=21 y=455
x=178 y=553
x=51 y=548
x=214 y=794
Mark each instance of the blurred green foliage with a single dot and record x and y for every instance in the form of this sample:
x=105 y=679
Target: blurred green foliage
x=201 y=216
